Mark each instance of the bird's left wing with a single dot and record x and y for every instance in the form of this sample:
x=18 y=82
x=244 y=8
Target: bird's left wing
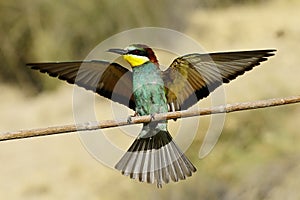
x=109 y=80
x=193 y=76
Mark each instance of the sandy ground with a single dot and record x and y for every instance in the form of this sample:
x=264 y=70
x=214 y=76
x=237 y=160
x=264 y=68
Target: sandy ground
x=59 y=167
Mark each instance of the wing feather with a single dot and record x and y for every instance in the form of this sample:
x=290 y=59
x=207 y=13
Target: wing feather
x=194 y=76
x=109 y=80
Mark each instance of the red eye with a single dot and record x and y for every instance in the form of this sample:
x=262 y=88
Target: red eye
x=136 y=52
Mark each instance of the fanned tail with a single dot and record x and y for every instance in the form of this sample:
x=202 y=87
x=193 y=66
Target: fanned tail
x=155 y=159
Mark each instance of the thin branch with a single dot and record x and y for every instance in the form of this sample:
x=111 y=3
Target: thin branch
x=142 y=119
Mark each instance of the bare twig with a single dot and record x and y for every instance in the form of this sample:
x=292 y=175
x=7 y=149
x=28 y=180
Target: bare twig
x=141 y=119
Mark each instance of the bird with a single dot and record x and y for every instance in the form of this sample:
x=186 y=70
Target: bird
x=154 y=157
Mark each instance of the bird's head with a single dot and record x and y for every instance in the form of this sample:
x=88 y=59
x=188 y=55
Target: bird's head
x=136 y=54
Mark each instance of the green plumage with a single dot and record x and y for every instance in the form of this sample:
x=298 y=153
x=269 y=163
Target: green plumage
x=148 y=90
x=150 y=98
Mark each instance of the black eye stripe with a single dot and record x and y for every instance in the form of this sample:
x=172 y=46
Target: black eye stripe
x=138 y=52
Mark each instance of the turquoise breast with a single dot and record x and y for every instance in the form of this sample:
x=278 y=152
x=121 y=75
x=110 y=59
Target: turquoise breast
x=148 y=90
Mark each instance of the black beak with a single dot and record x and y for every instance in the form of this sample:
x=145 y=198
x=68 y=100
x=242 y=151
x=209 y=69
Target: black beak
x=118 y=51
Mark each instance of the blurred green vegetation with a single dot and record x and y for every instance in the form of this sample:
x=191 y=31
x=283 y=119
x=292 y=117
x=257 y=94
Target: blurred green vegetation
x=52 y=30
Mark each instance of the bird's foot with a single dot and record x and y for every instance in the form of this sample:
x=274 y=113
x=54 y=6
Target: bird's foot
x=152 y=116
x=129 y=120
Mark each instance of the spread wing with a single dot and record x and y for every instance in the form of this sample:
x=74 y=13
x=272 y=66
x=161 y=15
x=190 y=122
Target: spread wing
x=109 y=80
x=193 y=76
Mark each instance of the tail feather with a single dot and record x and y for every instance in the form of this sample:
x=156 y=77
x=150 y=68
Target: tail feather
x=155 y=159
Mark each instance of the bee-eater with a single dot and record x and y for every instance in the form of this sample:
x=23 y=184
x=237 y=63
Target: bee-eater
x=154 y=156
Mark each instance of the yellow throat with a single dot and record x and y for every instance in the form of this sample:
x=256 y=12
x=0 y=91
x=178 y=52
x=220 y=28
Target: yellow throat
x=135 y=60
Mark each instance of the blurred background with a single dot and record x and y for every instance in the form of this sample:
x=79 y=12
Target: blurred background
x=258 y=153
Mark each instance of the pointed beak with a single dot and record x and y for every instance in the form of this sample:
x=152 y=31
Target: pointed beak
x=118 y=51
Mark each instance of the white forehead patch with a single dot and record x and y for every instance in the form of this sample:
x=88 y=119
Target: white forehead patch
x=130 y=48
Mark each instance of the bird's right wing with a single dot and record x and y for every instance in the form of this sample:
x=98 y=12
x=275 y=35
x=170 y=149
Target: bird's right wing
x=109 y=80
